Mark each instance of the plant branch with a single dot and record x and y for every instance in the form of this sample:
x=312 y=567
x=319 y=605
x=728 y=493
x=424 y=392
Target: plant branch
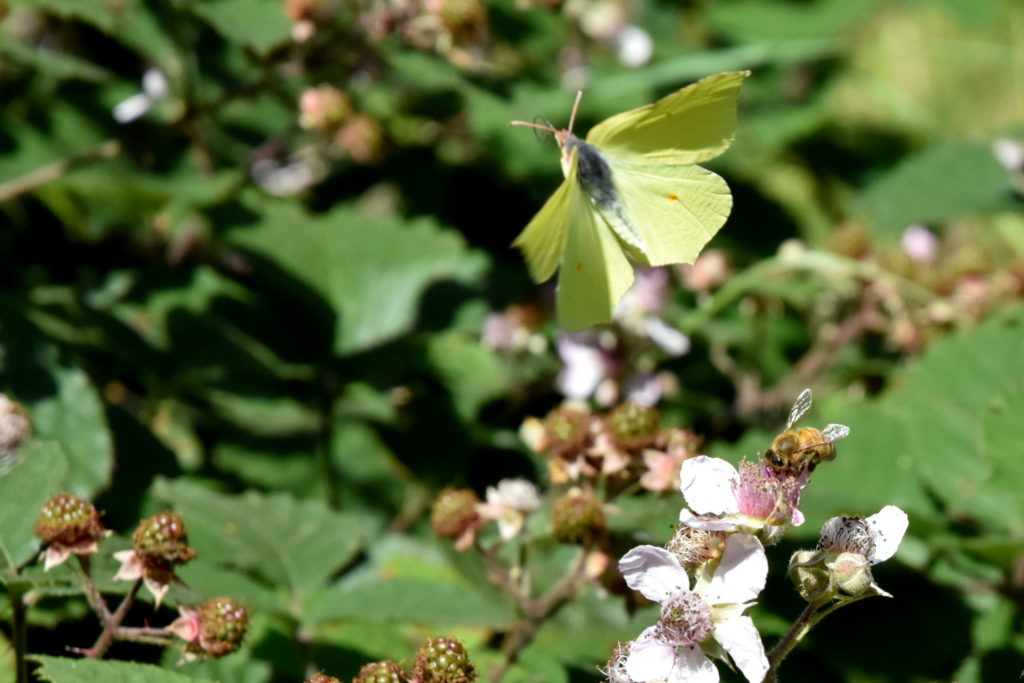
x=536 y=613
x=47 y=174
x=110 y=627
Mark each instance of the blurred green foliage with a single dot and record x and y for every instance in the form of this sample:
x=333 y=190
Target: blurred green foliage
x=261 y=300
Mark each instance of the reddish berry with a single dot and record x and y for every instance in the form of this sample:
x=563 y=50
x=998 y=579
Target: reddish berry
x=566 y=431
x=161 y=542
x=322 y=678
x=454 y=512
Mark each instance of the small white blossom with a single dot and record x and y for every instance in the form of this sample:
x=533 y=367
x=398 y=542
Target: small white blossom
x=154 y=87
x=876 y=537
x=633 y=46
x=585 y=365
x=1009 y=153
x=720 y=498
x=920 y=244
x=713 y=611
x=509 y=503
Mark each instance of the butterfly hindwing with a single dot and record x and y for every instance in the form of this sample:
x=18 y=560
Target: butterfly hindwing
x=595 y=271
x=676 y=209
x=689 y=126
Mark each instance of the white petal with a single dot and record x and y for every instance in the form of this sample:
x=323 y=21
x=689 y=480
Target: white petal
x=741 y=575
x=649 y=659
x=653 y=571
x=669 y=339
x=154 y=83
x=687 y=517
x=887 y=526
x=709 y=485
x=693 y=666
x=584 y=368
x=741 y=640
x=132 y=108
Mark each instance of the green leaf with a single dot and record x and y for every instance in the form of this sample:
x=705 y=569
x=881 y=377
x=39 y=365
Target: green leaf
x=756 y=20
x=7 y=660
x=295 y=544
x=372 y=269
x=473 y=373
x=409 y=601
x=38 y=476
x=67 y=670
x=73 y=416
x=940 y=183
x=961 y=404
x=259 y=24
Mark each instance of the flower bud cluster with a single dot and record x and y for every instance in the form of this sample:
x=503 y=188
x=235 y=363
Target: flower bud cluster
x=624 y=445
x=70 y=525
x=439 y=660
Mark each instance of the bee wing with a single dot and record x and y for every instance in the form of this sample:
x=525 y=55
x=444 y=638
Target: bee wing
x=834 y=432
x=800 y=407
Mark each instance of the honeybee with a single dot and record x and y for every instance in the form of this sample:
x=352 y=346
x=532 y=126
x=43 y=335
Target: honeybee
x=795 y=450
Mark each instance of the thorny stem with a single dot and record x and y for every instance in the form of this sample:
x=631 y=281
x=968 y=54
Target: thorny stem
x=794 y=635
x=807 y=620
x=536 y=612
x=92 y=594
x=111 y=625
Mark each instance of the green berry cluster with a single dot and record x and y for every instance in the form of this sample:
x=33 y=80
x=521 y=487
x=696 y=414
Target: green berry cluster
x=222 y=624
x=578 y=517
x=443 y=660
x=385 y=671
x=69 y=520
x=633 y=426
x=161 y=541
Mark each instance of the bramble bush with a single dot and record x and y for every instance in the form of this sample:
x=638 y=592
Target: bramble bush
x=278 y=402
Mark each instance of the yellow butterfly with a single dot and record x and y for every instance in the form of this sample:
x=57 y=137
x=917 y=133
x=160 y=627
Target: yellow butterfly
x=632 y=191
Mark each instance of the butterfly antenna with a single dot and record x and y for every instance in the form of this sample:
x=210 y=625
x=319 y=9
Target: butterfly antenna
x=575 y=106
x=549 y=128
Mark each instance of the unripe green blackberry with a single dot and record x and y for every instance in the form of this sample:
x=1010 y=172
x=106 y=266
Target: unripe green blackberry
x=385 y=671
x=566 y=431
x=577 y=517
x=69 y=521
x=321 y=677
x=161 y=542
x=222 y=624
x=454 y=512
x=443 y=660
x=632 y=426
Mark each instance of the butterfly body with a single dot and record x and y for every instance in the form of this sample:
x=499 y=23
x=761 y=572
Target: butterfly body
x=631 y=187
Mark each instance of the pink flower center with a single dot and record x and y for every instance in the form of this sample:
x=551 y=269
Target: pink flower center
x=763 y=496
x=685 y=620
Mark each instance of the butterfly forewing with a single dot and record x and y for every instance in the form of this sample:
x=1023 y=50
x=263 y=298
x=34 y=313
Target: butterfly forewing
x=689 y=126
x=543 y=240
